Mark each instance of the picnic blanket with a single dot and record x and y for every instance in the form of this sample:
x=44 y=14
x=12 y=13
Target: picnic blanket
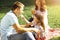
x=51 y=33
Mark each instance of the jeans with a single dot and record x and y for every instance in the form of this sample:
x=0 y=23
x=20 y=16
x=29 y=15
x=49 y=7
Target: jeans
x=24 y=36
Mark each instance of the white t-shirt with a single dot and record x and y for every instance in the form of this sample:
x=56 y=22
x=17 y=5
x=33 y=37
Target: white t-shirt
x=6 y=24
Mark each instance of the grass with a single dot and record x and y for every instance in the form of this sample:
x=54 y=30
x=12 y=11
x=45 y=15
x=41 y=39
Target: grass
x=53 y=16
x=55 y=38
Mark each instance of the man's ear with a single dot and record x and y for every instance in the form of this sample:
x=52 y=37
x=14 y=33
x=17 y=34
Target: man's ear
x=17 y=9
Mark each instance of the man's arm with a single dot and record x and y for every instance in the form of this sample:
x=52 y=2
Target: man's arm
x=22 y=26
x=29 y=25
x=22 y=30
x=18 y=28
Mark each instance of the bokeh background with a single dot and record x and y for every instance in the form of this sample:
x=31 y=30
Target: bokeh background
x=53 y=7
x=27 y=2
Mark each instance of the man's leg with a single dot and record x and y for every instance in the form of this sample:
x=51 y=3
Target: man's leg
x=16 y=37
x=24 y=36
x=29 y=36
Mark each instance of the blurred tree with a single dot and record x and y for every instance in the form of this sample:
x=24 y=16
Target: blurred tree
x=53 y=2
x=10 y=2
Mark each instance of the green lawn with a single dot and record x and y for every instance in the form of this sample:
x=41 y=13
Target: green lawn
x=53 y=16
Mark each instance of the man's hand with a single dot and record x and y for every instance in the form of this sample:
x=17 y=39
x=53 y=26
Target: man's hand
x=37 y=32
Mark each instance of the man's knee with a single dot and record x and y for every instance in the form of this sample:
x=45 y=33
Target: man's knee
x=28 y=33
x=29 y=36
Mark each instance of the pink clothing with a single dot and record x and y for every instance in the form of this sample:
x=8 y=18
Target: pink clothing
x=49 y=32
x=45 y=21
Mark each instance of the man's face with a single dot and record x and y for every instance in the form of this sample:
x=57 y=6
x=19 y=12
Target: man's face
x=20 y=11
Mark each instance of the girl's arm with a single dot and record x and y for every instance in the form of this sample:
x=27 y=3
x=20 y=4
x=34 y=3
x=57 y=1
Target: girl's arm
x=25 y=19
x=28 y=24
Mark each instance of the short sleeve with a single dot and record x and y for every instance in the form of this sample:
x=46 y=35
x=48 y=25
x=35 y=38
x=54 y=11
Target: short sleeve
x=13 y=19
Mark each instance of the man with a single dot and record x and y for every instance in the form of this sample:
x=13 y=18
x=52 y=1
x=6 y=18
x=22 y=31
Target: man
x=10 y=27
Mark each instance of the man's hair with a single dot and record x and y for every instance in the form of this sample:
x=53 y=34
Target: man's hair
x=17 y=4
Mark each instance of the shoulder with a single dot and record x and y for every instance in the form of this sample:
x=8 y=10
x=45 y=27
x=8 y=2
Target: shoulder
x=11 y=14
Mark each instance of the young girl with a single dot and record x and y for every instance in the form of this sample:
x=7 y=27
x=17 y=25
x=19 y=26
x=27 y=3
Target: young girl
x=40 y=13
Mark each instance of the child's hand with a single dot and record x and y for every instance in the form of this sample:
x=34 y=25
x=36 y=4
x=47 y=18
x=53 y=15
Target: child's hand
x=37 y=32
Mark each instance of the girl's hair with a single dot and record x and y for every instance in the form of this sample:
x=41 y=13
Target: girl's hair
x=42 y=5
x=17 y=4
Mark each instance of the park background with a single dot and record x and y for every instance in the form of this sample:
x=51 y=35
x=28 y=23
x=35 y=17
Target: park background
x=53 y=7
